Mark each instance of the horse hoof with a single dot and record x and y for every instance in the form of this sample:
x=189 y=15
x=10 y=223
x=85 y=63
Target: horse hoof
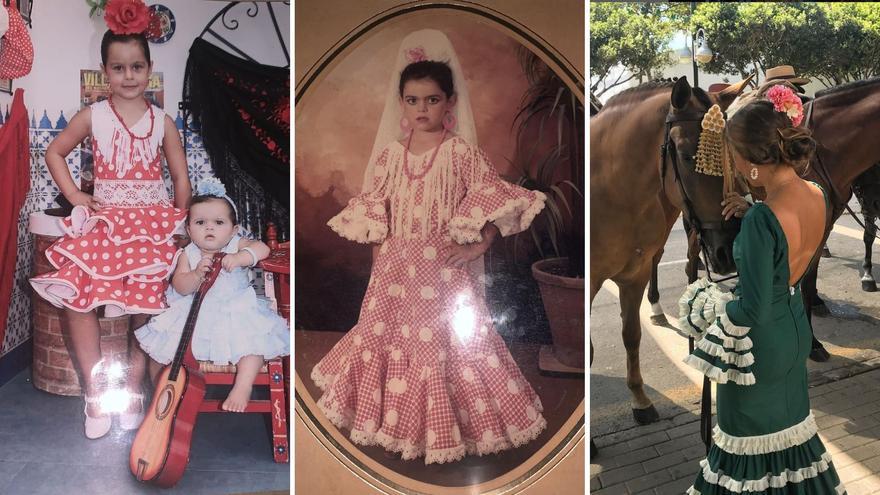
x=825 y=252
x=659 y=320
x=594 y=451
x=819 y=354
x=646 y=416
x=869 y=286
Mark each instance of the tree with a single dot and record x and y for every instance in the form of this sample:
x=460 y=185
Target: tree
x=635 y=36
x=831 y=42
x=855 y=52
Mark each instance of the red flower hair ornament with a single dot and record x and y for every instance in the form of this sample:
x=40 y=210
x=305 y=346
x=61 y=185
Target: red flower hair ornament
x=127 y=16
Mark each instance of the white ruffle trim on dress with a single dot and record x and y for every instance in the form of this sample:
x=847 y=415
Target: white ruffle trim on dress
x=410 y=450
x=730 y=328
x=737 y=344
x=690 y=306
x=770 y=480
x=321 y=380
x=729 y=357
x=717 y=375
x=771 y=442
x=82 y=221
x=702 y=308
x=839 y=490
x=358 y=227
x=514 y=216
x=513 y=437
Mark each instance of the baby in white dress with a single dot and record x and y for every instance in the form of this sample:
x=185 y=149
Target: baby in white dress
x=233 y=327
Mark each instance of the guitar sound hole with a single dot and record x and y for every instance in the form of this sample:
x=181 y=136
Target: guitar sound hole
x=163 y=405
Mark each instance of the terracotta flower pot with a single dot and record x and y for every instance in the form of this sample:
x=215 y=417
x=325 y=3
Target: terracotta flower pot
x=564 y=304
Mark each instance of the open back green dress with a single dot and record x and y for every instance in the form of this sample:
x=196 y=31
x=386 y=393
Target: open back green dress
x=754 y=343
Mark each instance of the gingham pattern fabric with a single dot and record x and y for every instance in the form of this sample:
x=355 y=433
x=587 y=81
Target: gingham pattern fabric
x=424 y=372
x=119 y=257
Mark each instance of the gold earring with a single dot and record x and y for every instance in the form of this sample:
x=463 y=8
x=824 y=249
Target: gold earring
x=754 y=173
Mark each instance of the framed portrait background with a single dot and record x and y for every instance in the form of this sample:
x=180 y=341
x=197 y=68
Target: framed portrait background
x=342 y=71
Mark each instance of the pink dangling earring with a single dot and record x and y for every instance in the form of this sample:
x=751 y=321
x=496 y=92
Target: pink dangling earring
x=449 y=121
x=754 y=173
x=404 y=124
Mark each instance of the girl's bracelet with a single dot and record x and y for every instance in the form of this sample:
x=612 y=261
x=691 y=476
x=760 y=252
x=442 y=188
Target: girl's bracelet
x=253 y=255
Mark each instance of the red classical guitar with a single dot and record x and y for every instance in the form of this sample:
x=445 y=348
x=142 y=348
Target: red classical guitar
x=160 y=450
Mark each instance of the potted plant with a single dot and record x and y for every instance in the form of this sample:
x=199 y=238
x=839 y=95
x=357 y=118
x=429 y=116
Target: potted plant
x=549 y=155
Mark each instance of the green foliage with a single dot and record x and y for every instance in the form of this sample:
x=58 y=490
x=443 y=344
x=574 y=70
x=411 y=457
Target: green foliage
x=635 y=35
x=548 y=130
x=832 y=42
x=96 y=6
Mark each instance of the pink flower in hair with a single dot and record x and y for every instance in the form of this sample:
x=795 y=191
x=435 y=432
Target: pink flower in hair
x=416 y=54
x=786 y=101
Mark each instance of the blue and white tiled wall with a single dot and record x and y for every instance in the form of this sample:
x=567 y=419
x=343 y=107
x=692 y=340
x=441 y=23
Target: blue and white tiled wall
x=42 y=195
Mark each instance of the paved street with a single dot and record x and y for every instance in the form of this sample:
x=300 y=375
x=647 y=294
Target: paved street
x=662 y=458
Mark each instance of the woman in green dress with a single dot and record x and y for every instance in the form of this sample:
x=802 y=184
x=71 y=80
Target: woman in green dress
x=754 y=342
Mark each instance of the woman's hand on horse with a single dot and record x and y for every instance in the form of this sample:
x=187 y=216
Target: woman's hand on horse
x=461 y=255
x=734 y=205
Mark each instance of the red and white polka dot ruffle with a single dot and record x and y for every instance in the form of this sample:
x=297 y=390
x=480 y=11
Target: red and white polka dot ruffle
x=16 y=49
x=121 y=256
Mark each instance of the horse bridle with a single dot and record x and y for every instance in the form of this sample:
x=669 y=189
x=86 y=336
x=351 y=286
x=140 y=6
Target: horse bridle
x=693 y=219
x=699 y=227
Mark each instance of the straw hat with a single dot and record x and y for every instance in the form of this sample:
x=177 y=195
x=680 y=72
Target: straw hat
x=784 y=72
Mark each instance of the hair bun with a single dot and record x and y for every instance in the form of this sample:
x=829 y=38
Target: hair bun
x=796 y=144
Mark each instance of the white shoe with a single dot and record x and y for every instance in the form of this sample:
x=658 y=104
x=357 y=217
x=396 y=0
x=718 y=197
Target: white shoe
x=131 y=421
x=96 y=427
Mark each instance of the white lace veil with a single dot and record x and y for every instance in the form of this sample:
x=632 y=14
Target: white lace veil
x=436 y=47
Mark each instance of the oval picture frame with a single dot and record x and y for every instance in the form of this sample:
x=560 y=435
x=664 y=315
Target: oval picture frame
x=564 y=443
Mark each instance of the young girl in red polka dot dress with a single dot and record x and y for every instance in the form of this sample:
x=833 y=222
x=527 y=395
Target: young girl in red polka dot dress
x=424 y=372
x=117 y=250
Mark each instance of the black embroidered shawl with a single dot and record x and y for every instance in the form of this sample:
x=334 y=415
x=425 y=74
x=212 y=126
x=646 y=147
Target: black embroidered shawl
x=242 y=109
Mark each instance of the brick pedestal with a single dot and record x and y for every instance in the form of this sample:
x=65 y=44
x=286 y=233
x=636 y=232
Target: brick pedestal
x=53 y=370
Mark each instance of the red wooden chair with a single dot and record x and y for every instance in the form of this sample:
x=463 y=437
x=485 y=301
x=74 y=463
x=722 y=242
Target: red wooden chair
x=275 y=373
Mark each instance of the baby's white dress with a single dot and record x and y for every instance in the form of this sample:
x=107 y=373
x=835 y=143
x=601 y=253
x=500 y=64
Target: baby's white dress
x=232 y=322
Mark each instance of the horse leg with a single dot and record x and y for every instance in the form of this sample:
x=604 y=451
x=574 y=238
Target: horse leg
x=594 y=288
x=868 y=282
x=808 y=291
x=631 y=292
x=691 y=269
x=657 y=315
x=692 y=243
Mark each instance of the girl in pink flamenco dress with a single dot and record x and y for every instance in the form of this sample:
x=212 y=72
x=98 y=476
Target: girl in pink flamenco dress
x=117 y=250
x=423 y=372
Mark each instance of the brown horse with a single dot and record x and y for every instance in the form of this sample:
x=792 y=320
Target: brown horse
x=844 y=120
x=866 y=189
x=635 y=198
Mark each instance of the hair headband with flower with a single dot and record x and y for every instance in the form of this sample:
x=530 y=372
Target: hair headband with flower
x=213 y=187
x=416 y=54
x=785 y=101
x=130 y=17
